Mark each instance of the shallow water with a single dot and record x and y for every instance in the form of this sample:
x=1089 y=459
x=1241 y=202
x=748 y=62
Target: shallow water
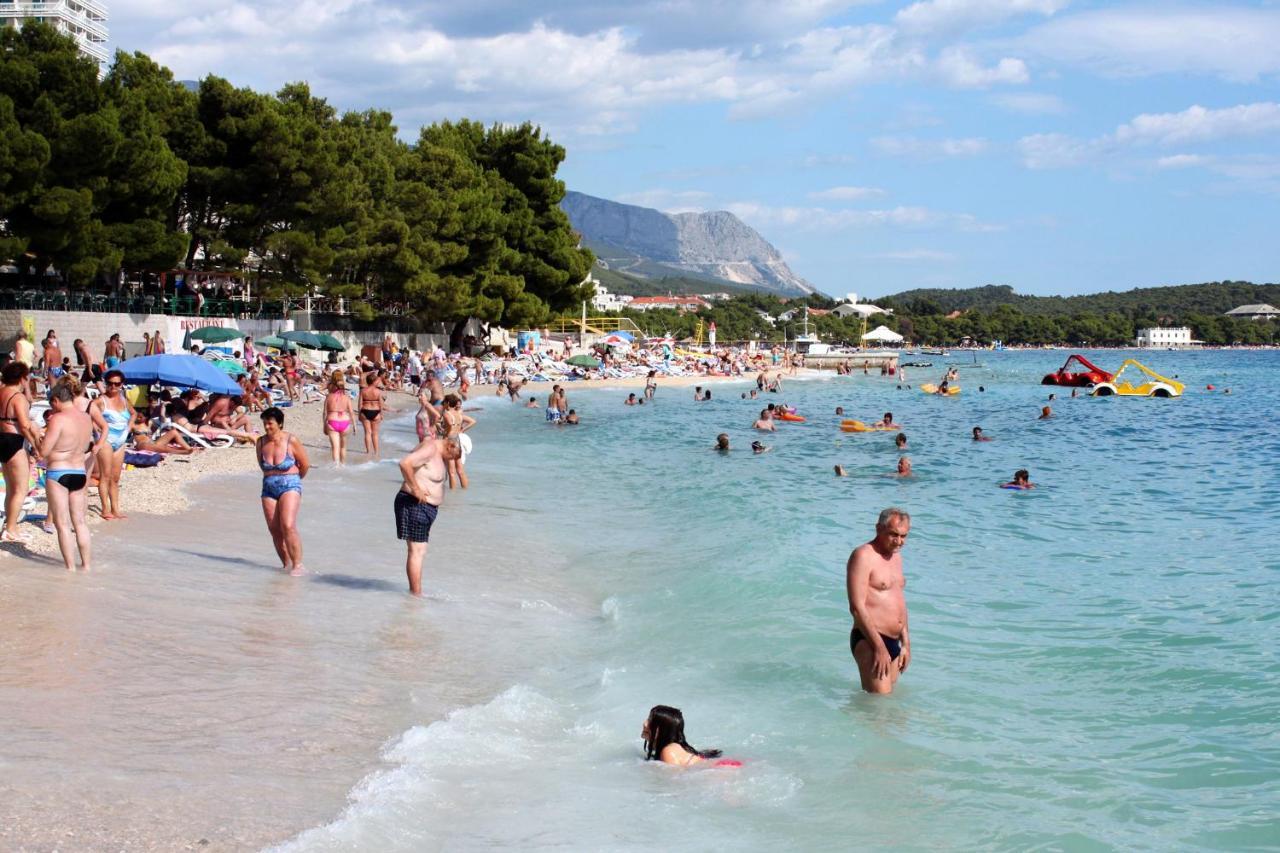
x=1093 y=665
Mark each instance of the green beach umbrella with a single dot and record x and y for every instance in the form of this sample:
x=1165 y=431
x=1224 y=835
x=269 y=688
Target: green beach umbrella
x=216 y=334
x=275 y=342
x=314 y=340
x=231 y=366
x=583 y=361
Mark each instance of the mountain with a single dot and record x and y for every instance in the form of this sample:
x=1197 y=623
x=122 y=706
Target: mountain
x=1211 y=298
x=717 y=247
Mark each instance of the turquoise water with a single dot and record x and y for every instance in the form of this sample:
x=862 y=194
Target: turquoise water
x=1094 y=662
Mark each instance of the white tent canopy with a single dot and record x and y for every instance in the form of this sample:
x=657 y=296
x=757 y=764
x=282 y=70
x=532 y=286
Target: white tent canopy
x=883 y=333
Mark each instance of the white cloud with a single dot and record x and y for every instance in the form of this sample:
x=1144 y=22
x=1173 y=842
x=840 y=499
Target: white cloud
x=1194 y=124
x=1198 y=124
x=826 y=220
x=671 y=201
x=1182 y=161
x=1030 y=103
x=1237 y=43
x=929 y=149
x=961 y=69
x=949 y=16
x=1054 y=151
x=846 y=193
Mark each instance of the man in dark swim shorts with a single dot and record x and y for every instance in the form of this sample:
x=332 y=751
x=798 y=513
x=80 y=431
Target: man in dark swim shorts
x=879 y=641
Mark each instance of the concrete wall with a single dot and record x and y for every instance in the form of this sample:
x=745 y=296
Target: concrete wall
x=96 y=327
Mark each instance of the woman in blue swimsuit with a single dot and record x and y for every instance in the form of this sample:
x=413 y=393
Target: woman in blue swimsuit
x=284 y=463
x=119 y=416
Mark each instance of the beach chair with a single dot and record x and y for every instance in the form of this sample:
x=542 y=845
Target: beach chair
x=195 y=439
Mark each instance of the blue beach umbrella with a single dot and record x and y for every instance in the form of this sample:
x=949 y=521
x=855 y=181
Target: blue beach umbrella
x=180 y=371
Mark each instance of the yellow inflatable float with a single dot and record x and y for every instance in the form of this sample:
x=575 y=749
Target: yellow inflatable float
x=930 y=388
x=858 y=426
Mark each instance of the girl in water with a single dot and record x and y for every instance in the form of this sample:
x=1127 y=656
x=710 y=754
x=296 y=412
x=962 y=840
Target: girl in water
x=339 y=417
x=663 y=734
x=283 y=461
x=120 y=417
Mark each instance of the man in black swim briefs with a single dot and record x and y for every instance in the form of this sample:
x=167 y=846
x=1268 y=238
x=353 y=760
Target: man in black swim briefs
x=879 y=641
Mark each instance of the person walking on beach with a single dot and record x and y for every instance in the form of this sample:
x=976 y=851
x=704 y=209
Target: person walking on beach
x=418 y=501
x=68 y=434
x=338 y=416
x=16 y=428
x=879 y=641
x=371 y=400
x=119 y=417
x=651 y=385
x=284 y=463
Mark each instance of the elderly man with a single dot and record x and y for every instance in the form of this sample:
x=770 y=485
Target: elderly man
x=419 y=499
x=880 y=642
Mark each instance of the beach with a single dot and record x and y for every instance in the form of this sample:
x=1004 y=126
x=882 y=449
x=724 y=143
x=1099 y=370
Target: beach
x=187 y=695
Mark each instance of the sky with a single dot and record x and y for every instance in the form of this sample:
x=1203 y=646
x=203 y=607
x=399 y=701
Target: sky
x=1057 y=146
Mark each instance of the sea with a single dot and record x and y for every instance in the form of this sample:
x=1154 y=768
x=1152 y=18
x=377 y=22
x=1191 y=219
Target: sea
x=1094 y=662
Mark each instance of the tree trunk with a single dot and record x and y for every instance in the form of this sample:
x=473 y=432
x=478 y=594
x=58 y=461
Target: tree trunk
x=455 y=336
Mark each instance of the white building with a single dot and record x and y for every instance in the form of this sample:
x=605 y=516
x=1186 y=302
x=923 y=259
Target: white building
x=606 y=301
x=1179 y=337
x=83 y=20
x=1255 y=312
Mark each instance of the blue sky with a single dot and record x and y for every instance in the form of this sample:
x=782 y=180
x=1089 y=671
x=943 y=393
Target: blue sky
x=1058 y=146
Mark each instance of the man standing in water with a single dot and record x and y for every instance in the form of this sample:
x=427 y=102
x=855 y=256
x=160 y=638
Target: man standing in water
x=419 y=500
x=879 y=641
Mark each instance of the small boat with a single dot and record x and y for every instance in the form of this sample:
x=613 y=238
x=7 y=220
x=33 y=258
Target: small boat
x=1091 y=375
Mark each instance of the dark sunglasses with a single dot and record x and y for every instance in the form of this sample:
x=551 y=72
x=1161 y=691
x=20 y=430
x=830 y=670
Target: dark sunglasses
x=115 y=383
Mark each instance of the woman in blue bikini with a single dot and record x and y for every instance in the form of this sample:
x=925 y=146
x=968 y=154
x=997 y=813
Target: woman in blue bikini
x=119 y=415
x=284 y=463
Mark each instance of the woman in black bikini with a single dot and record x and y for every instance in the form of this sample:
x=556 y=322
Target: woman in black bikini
x=16 y=428
x=371 y=410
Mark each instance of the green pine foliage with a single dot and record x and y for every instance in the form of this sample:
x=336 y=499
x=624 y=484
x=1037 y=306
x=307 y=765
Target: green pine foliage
x=136 y=173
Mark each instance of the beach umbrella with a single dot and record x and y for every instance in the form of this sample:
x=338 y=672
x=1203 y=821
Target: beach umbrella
x=216 y=334
x=618 y=339
x=275 y=342
x=181 y=371
x=231 y=366
x=583 y=361
x=314 y=340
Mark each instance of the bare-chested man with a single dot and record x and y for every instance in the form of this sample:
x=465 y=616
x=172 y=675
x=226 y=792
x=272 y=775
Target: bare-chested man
x=879 y=641
x=419 y=500
x=69 y=434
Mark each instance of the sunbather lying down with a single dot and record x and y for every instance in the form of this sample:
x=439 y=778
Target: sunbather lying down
x=167 y=441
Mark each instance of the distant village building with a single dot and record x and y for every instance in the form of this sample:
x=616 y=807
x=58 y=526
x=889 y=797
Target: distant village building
x=606 y=301
x=765 y=316
x=1255 y=312
x=83 y=20
x=721 y=296
x=678 y=303
x=1175 y=337
x=862 y=309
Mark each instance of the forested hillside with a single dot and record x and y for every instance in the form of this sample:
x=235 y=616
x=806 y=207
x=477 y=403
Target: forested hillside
x=1210 y=298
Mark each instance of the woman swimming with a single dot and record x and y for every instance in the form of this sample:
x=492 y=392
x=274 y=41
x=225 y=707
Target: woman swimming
x=284 y=463
x=338 y=416
x=663 y=735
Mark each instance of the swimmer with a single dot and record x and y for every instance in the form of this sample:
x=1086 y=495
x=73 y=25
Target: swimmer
x=697 y=394
x=978 y=436
x=1075 y=392
x=1052 y=397
x=663 y=734
x=572 y=418
x=901 y=441
x=722 y=442
x=839 y=410
x=1021 y=480
x=631 y=400
x=1045 y=413
x=839 y=469
x=765 y=421
x=943 y=388
x=887 y=422
x=904 y=467
x=758 y=448
x=532 y=404
x=981 y=389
